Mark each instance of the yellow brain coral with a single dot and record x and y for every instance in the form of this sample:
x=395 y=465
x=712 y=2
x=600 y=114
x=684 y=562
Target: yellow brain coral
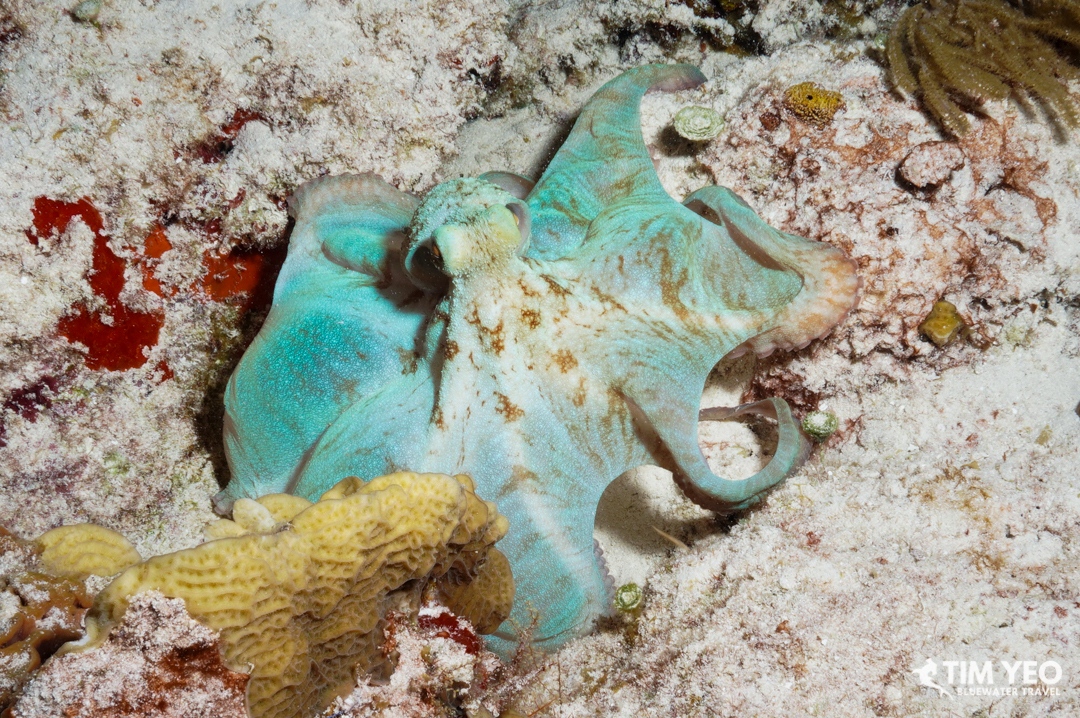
x=486 y=600
x=298 y=592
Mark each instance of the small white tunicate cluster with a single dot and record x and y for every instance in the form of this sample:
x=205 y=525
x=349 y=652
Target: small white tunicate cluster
x=87 y=10
x=820 y=425
x=697 y=124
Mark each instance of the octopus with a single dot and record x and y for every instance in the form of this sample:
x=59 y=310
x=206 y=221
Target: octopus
x=543 y=338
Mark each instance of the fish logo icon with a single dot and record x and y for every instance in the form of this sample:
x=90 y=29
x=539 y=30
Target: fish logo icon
x=926 y=674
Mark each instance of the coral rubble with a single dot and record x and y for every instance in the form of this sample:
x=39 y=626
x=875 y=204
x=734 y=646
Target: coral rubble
x=930 y=164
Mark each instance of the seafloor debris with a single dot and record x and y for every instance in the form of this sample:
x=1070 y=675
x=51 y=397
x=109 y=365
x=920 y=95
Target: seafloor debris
x=957 y=54
x=942 y=324
x=819 y=425
x=87 y=10
x=629 y=598
x=813 y=104
x=157 y=663
x=300 y=592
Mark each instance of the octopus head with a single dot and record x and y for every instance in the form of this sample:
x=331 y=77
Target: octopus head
x=464 y=226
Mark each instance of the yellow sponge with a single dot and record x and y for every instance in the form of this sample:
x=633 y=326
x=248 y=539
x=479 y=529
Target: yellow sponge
x=942 y=324
x=300 y=599
x=813 y=104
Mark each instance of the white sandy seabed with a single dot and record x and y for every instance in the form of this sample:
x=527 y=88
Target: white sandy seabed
x=942 y=524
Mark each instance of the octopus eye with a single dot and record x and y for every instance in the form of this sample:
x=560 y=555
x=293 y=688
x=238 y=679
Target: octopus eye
x=429 y=258
x=520 y=210
x=424 y=265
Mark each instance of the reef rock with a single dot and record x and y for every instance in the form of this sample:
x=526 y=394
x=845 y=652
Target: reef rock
x=157 y=663
x=441 y=669
x=969 y=241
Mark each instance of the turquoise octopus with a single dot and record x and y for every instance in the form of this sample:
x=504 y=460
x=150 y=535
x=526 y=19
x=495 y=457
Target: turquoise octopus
x=543 y=338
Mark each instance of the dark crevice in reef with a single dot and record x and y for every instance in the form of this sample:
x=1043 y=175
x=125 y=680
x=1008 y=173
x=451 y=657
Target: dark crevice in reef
x=210 y=411
x=227 y=347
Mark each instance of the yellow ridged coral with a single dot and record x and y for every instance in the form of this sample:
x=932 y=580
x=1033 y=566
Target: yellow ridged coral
x=942 y=324
x=813 y=104
x=82 y=550
x=301 y=607
x=486 y=600
x=260 y=516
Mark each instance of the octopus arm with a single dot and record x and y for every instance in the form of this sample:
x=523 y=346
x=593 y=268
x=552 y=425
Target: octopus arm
x=602 y=161
x=343 y=325
x=686 y=284
x=676 y=424
x=829 y=283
